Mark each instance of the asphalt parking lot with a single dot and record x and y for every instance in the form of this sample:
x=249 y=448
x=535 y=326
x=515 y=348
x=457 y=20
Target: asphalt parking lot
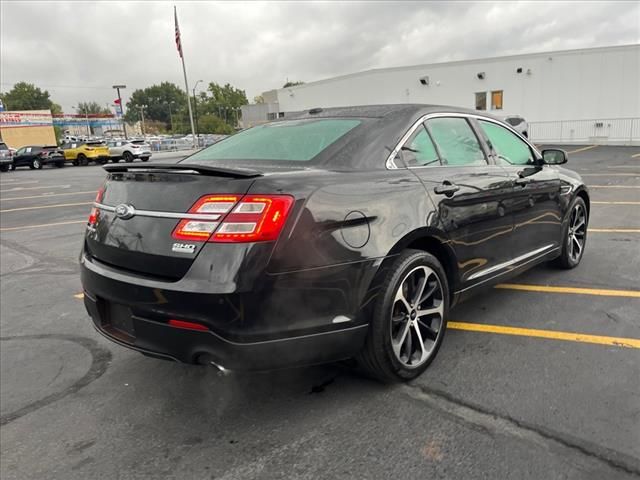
x=539 y=378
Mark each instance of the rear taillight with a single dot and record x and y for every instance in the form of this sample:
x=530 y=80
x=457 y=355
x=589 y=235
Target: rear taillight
x=188 y=325
x=252 y=218
x=95 y=213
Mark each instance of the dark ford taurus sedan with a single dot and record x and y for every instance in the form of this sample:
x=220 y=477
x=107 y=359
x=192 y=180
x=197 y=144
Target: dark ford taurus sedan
x=340 y=233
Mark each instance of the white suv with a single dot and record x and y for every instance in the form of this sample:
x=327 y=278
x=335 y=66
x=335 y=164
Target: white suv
x=519 y=124
x=129 y=150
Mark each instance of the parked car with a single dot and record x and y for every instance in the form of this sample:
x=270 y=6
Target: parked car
x=81 y=153
x=345 y=232
x=6 y=158
x=129 y=150
x=35 y=157
x=519 y=124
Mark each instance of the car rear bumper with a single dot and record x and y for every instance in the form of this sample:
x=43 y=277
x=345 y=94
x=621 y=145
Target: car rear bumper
x=292 y=320
x=161 y=340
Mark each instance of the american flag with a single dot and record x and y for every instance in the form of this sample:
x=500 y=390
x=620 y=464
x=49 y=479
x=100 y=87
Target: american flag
x=178 y=42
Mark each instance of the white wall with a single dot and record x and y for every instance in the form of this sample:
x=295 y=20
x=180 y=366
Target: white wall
x=571 y=85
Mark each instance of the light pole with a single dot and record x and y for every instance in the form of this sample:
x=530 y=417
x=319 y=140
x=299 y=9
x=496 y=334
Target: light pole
x=195 y=111
x=141 y=108
x=124 y=125
x=168 y=104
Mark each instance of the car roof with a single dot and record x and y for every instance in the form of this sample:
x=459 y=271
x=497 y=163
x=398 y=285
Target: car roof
x=380 y=111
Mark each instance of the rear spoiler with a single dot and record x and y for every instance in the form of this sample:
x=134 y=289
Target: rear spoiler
x=184 y=168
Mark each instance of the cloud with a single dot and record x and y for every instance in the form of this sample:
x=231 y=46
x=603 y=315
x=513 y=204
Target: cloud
x=77 y=50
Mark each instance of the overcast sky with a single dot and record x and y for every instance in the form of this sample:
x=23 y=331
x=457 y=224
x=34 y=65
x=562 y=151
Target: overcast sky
x=78 y=50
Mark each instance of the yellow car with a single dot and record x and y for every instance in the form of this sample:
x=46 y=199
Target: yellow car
x=81 y=153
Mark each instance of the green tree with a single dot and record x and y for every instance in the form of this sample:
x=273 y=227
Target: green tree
x=161 y=102
x=223 y=102
x=92 y=108
x=26 y=96
x=213 y=124
x=292 y=84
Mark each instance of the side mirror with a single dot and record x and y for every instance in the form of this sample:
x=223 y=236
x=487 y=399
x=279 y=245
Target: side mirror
x=554 y=156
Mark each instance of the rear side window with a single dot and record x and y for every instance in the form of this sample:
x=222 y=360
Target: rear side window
x=509 y=149
x=294 y=140
x=419 y=150
x=457 y=143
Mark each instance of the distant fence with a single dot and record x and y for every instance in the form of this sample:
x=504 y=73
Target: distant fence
x=610 y=131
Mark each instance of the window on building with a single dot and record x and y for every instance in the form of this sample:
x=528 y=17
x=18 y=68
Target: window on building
x=457 y=143
x=481 y=100
x=271 y=116
x=496 y=100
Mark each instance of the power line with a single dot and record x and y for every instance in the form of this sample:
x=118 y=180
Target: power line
x=62 y=86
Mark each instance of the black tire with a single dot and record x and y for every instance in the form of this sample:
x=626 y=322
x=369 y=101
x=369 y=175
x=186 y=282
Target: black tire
x=36 y=164
x=115 y=160
x=82 y=160
x=378 y=358
x=4 y=168
x=574 y=235
x=128 y=157
x=144 y=159
x=59 y=164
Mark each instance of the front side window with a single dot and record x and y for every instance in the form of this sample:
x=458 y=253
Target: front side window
x=481 y=100
x=457 y=143
x=419 y=150
x=294 y=140
x=509 y=149
x=496 y=100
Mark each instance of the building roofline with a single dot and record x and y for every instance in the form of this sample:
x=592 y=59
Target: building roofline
x=456 y=63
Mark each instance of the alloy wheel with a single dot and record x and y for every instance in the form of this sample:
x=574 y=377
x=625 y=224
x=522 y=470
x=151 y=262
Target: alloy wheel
x=417 y=317
x=577 y=232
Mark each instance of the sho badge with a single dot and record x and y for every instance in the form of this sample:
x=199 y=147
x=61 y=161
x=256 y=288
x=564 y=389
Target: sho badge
x=183 y=248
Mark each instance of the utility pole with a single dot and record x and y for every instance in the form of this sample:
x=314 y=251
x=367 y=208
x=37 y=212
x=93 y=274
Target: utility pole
x=142 y=107
x=124 y=125
x=195 y=112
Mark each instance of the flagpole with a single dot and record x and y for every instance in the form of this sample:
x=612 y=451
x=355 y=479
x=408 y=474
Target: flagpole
x=186 y=84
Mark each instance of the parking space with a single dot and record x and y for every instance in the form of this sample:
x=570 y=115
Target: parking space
x=538 y=378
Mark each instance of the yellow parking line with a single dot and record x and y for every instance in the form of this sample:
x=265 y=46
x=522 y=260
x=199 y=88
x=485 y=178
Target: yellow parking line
x=79 y=296
x=42 y=225
x=575 y=290
x=45 y=206
x=613 y=230
x=583 y=149
x=50 y=195
x=613 y=186
x=548 y=334
x=636 y=155
x=610 y=174
x=34 y=188
x=615 y=203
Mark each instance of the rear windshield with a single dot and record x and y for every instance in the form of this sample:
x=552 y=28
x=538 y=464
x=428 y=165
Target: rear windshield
x=95 y=144
x=513 y=121
x=292 y=140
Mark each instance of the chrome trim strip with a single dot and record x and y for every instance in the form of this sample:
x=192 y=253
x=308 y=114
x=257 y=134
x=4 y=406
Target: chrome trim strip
x=390 y=163
x=156 y=214
x=500 y=266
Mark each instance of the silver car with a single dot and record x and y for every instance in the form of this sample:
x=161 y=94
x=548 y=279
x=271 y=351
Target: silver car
x=6 y=158
x=129 y=150
x=519 y=124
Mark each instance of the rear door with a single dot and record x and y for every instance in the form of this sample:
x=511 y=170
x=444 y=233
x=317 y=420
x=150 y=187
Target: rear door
x=468 y=192
x=535 y=205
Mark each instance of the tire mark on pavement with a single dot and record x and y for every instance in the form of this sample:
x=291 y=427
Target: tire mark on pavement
x=492 y=422
x=100 y=359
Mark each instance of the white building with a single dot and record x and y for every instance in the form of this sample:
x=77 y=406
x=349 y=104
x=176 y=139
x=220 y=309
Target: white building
x=588 y=95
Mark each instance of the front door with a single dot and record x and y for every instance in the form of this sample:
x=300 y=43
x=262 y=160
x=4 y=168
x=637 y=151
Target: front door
x=536 y=204
x=468 y=193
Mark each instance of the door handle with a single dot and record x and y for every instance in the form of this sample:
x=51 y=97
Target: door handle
x=523 y=181
x=447 y=188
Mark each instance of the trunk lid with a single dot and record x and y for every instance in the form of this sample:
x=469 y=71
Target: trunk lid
x=144 y=244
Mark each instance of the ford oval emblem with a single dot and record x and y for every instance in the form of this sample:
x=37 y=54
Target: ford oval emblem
x=125 y=211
